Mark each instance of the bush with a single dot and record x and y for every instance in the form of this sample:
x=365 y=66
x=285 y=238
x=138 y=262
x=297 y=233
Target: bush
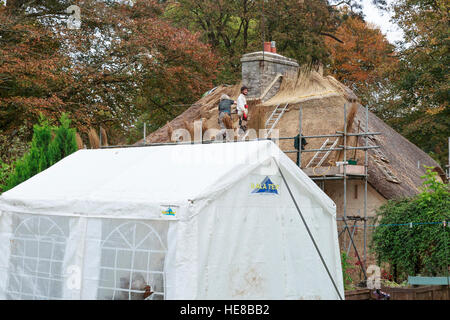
x=347 y=268
x=64 y=142
x=424 y=248
x=4 y=174
x=48 y=146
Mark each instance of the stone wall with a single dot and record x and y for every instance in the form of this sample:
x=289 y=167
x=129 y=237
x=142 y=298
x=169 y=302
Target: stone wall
x=260 y=69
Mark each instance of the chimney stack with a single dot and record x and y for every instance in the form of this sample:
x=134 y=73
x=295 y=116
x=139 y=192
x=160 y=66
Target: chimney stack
x=261 y=70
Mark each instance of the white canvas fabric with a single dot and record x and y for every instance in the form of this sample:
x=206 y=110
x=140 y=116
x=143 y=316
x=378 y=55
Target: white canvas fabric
x=202 y=221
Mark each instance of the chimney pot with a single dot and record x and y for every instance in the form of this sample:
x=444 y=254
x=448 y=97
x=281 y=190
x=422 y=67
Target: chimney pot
x=273 y=46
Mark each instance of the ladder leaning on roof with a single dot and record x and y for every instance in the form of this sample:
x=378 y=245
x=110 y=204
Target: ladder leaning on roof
x=275 y=117
x=322 y=155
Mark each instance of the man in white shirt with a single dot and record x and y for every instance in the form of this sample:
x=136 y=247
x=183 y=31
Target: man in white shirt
x=242 y=109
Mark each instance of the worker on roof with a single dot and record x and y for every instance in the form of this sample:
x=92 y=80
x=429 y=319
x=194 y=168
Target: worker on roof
x=242 y=109
x=225 y=115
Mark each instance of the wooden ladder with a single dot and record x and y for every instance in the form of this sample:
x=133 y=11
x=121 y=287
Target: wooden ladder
x=322 y=155
x=274 y=118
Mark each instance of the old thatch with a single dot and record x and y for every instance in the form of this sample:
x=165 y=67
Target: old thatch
x=396 y=167
x=206 y=108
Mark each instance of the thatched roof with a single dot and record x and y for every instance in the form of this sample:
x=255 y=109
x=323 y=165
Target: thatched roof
x=205 y=108
x=309 y=85
x=394 y=169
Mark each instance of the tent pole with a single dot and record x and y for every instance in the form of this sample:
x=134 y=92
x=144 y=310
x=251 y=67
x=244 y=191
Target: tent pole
x=309 y=232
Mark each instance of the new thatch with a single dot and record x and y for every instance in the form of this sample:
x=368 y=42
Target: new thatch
x=310 y=85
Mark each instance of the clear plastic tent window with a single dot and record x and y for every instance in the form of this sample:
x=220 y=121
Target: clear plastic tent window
x=129 y=264
x=36 y=257
x=201 y=221
x=133 y=256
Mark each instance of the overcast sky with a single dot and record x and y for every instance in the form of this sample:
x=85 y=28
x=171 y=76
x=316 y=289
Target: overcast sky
x=381 y=19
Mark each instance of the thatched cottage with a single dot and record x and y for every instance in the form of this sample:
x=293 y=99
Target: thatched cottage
x=279 y=89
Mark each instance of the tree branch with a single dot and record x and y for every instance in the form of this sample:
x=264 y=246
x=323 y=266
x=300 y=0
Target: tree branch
x=331 y=36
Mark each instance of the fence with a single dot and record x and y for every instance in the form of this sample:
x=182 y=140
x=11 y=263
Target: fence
x=418 y=293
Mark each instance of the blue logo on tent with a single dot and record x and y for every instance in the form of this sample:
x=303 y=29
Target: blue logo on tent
x=266 y=186
x=169 y=212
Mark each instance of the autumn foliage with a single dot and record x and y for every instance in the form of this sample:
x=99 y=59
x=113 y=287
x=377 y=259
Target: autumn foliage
x=33 y=73
x=147 y=61
x=364 y=59
x=123 y=63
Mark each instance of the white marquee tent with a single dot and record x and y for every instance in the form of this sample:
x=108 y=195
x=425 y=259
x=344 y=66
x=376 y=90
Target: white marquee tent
x=200 y=221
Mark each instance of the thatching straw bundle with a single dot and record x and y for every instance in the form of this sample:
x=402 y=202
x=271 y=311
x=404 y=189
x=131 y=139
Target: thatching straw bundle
x=94 y=140
x=80 y=143
x=169 y=130
x=104 y=137
x=228 y=122
x=189 y=126
x=349 y=123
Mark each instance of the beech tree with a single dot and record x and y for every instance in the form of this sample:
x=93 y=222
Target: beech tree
x=33 y=73
x=364 y=61
x=422 y=113
x=235 y=27
x=125 y=61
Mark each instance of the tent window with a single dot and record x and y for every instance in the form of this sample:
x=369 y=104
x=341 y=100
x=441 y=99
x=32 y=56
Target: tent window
x=132 y=260
x=37 y=254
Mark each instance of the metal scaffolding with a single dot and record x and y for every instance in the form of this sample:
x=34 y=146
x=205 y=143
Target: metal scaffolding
x=345 y=177
x=321 y=179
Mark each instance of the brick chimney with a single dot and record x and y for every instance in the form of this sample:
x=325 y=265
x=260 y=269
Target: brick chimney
x=262 y=72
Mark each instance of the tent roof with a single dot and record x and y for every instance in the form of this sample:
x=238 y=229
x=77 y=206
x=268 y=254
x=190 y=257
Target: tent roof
x=128 y=182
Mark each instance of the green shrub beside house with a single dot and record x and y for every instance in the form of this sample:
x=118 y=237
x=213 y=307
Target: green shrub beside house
x=49 y=145
x=413 y=236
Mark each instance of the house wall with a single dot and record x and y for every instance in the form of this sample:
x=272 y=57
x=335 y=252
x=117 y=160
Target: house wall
x=355 y=207
x=355 y=197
